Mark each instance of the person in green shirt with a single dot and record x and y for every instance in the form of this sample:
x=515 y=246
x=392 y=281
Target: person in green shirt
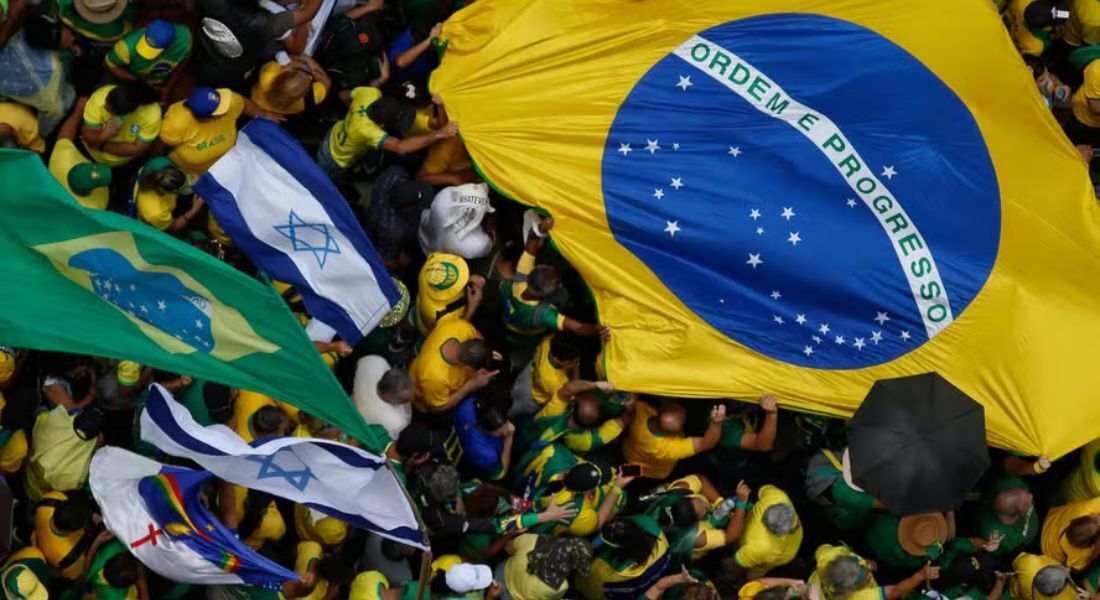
x=151 y=54
x=829 y=483
x=113 y=573
x=1007 y=512
x=908 y=542
x=970 y=572
x=97 y=20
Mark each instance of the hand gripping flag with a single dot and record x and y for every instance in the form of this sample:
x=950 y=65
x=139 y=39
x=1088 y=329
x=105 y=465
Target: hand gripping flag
x=798 y=196
x=287 y=216
x=95 y=282
x=336 y=479
x=157 y=511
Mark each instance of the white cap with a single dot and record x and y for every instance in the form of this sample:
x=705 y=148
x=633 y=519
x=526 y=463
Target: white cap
x=465 y=578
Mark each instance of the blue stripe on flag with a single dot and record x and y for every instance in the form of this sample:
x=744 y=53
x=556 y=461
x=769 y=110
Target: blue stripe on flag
x=159 y=412
x=407 y=534
x=347 y=455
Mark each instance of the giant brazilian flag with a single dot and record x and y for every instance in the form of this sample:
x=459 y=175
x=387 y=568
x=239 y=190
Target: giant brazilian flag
x=798 y=196
x=94 y=282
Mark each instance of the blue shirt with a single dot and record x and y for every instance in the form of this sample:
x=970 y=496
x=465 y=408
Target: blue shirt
x=420 y=69
x=480 y=451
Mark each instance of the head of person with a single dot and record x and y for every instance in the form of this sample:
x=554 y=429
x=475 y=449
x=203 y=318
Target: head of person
x=268 y=421
x=7 y=137
x=671 y=418
x=415 y=444
x=207 y=103
x=122 y=570
x=42 y=33
x=682 y=513
x=462 y=579
x=775 y=592
x=395 y=387
x=543 y=281
x=628 y=541
x=729 y=578
x=336 y=569
x=159 y=35
x=846 y=574
x=88 y=424
x=1084 y=532
x=780 y=519
x=19 y=412
x=100 y=12
x=289 y=86
x=976 y=571
x=167 y=180
x=218 y=399
x=74 y=514
x=1051 y=580
x=586 y=410
x=556 y=559
x=1012 y=505
x=491 y=416
x=475 y=353
x=127 y=96
x=702 y=591
x=1040 y=14
x=392 y=114
x=565 y=350
x=85 y=178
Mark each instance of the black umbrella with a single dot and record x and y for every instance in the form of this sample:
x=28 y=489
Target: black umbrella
x=918 y=444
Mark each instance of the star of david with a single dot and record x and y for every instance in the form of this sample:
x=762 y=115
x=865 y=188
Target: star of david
x=309 y=237
x=269 y=469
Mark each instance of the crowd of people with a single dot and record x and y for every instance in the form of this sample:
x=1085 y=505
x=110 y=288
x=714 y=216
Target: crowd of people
x=534 y=477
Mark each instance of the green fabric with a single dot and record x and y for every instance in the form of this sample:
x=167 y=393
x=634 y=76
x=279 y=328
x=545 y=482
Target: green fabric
x=728 y=450
x=850 y=507
x=882 y=538
x=154 y=164
x=160 y=68
x=1081 y=57
x=527 y=319
x=1016 y=536
x=111 y=31
x=94 y=577
x=59 y=252
x=1091 y=579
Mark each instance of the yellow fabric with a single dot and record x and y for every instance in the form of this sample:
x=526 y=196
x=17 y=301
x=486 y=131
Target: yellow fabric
x=601 y=573
x=329 y=531
x=750 y=590
x=1055 y=545
x=1026 y=337
x=447 y=156
x=1083 y=27
x=368 y=586
x=435 y=379
x=1026 y=567
x=826 y=554
x=59 y=459
x=262 y=88
x=25 y=124
x=15 y=451
x=356 y=134
x=53 y=546
x=7 y=366
x=198 y=144
x=520 y=584
x=272 y=527
x=657 y=454
x=64 y=157
x=141 y=125
x=583 y=440
x=1089 y=90
x=422 y=122
x=1025 y=41
x=441 y=282
x=546 y=379
x=155 y=208
x=759 y=549
x=1083 y=482
x=246 y=405
x=308 y=553
x=587 y=520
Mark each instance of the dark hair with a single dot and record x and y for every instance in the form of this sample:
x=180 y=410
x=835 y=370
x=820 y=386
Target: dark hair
x=438 y=586
x=9 y=141
x=165 y=180
x=20 y=411
x=565 y=346
x=336 y=569
x=489 y=416
x=122 y=571
x=1083 y=532
x=702 y=591
x=628 y=540
x=977 y=571
x=218 y=399
x=475 y=353
x=255 y=508
x=73 y=514
x=268 y=420
x=1039 y=13
x=416 y=438
x=729 y=578
x=127 y=96
x=42 y=33
x=88 y=423
x=390 y=114
x=679 y=514
x=543 y=280
x=1035 y=65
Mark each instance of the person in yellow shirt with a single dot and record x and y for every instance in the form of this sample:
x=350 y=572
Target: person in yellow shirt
x=632 y=558
x=202 y=128
x=87 y=181
x=121 y=122
x=1040 y=578
x=16 y=419
x=843 y=575
x=582 y=489
x=1085 y=126
x=557 y=361
x=315 y=527
x=1083 y=27
x=155 y=196
x=772 y=533
x=446 y=290
x=656 y=439
x=309 y=555
x=366 y=130
x=61 y=521
x=1071 y=533
x=19 y=125
x=451 y=365
x=1030 y=23
x=448 y=162
x=1083 y=483
x=700 y=514
x=539 y=567
x=257 y=416
x=292 y=88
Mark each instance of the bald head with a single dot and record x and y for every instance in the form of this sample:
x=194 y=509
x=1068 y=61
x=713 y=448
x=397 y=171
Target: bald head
x=588 y=410
x=671 y=418
x=1011 y=505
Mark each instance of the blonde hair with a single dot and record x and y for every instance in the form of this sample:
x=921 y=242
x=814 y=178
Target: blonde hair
x=289 y=87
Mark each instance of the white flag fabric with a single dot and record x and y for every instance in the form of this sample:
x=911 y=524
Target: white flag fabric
x=333 y=478
x=156 y=511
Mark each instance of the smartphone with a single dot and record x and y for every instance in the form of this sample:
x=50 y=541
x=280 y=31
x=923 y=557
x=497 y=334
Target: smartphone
x=631 y=470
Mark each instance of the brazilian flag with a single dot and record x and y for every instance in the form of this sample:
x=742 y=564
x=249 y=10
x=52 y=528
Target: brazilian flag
x=95 y=282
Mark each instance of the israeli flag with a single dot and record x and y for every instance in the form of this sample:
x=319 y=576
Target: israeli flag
x=338 y=480
x=285 y=214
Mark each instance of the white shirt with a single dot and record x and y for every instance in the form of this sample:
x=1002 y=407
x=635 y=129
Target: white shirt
x=368 y=372
x=453 y=223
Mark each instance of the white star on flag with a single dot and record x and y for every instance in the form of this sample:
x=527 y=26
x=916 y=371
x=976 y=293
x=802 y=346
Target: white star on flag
x=816 y=339
x=839 y=339
x=777 y=319
x=851 y=203
x=905 y=335
x=133 y=288
x=788 y=212
x=161 y=304
x=882 y=318
x=800 y=319
x=652 y=146
x=754 y=260
x=625 y=149
x=794 y=238
x=754 y=214
x=889 y=172
x=676 y=146
x=198 y=324
x=759 y=231
x=776 y=295
x=658 y=193
x=735 y=151
x=876 y=337
x=859 y=344
x=677 y=183
x=808 y=350
x=672 y=227
x=143 y=309
x=685 y=83
x=824 y=329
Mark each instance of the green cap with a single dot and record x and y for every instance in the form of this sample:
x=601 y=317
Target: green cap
x=86 y=177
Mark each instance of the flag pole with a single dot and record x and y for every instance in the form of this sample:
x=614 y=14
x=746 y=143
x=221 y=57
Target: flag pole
x=425 y=555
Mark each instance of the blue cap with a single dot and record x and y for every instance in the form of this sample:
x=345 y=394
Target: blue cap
x=207 y=101
x=159 y=34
